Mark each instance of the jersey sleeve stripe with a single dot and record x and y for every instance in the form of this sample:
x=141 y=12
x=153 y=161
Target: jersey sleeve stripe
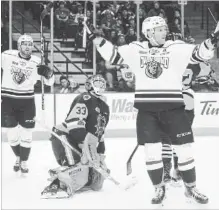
x=114 y=54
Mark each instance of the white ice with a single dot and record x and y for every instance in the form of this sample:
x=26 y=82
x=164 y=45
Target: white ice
x=24 y=193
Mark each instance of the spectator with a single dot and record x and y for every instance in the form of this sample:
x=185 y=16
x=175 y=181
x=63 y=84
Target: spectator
x=125 y=20
x=113 y=37
x=67 y=85
x=121 y=40
x=131 y=35
x=156 y=10
x=119 y=26
x=61 y=23
x=80 y=15
x=132 y=23
x=107 y=23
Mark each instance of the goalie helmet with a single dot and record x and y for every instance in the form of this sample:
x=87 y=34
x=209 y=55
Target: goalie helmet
x=25 y=45
x=96 y=84
x=148 y=26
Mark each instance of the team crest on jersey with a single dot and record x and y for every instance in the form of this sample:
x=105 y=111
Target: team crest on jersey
x=19 y=75
x=101 y=124
x=154 y=65
x=153 y=69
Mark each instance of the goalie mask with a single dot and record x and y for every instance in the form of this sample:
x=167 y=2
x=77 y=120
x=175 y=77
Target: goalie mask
x=95 y=84
x=155 y=30
x=25 y=45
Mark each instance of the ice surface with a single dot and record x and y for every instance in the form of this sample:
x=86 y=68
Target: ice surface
x=24 y=193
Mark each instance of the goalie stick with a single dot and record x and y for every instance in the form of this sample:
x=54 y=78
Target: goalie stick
x=129 y=162
x=103 y=172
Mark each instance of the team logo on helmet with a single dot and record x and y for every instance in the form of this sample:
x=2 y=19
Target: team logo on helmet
x=153 y=69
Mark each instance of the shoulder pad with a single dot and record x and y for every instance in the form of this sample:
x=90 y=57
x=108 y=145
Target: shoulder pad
x=11 y=52
x=171 y=42
x=35 y=59
x=139 y=44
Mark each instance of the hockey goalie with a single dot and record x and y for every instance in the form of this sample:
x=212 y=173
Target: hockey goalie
x=83 y=129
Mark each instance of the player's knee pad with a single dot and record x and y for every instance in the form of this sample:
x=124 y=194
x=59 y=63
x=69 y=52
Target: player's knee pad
x=185 y=156
x=26 y=137
x=13 y=135
x=153 y=156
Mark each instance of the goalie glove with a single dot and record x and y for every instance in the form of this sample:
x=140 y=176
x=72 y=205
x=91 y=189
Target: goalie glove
x=44 y=71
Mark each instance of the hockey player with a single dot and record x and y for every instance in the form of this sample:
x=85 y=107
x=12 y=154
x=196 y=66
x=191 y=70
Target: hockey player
x=20 y=71
x=195 y=75
x=158 y=66
x=83 y=129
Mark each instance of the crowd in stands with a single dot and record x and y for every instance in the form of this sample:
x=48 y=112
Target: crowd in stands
x=117 y=22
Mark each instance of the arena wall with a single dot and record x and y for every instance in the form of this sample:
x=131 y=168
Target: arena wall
x=123 y=115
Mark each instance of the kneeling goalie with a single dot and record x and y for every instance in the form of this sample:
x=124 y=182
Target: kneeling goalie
x=83 y=129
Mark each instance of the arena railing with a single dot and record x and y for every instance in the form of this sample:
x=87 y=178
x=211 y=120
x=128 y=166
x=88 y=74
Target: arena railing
x=38 y=30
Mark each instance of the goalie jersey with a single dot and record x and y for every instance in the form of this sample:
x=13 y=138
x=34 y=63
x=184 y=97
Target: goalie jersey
x=158 y=70
x=19 y=75
x=87 y=114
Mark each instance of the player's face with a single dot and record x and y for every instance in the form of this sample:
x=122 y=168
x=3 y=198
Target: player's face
x=26 y=48
x=160 y=34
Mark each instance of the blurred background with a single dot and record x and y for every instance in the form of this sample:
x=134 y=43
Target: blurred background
x=72 y=56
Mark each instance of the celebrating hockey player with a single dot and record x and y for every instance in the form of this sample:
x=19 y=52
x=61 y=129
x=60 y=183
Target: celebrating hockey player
x=20 y=71
x=158 y=66
x=83 y=129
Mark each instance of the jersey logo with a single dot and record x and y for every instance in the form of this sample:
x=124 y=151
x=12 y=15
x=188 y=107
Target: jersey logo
x=86 y=97
x=153 y=69
x=19 y=75
x=101 y=124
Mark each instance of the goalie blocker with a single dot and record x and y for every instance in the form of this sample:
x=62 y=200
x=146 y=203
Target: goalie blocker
x=83 y=129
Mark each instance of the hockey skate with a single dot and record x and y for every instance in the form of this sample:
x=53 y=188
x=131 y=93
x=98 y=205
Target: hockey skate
x=159 y=195
x=23 y=167
x=17 y=165
x=194 y=195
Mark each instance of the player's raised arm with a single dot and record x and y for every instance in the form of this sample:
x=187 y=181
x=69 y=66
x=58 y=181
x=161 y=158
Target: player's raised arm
x=205 y=50
x=108 y=51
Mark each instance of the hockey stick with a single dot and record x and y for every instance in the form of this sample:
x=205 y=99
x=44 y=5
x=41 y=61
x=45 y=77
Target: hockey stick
x=103 y=172
x=84 y=29
x=129 y=164
x=44 y=13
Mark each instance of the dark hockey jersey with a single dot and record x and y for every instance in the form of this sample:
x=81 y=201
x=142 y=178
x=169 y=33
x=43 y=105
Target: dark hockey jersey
x=87 y=114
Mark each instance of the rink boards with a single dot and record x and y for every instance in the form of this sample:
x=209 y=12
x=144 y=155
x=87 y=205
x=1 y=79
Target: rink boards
x=123 y=114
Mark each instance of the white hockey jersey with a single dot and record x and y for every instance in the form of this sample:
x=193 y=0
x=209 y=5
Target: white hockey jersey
x=158 y=70
x=20 y=75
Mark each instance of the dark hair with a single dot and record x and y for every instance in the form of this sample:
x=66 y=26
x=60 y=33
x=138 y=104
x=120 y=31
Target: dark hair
x=63 y=77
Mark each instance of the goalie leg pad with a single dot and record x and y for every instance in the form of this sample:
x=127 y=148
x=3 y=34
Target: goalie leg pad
x=95 y=180
x=74 y=178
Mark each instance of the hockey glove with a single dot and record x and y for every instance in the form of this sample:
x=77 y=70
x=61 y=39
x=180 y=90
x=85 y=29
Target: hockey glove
x=214 y=36
x=44 y=71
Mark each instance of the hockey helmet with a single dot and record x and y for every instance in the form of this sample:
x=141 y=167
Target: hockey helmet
x=149 y=24
x=96 y=84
